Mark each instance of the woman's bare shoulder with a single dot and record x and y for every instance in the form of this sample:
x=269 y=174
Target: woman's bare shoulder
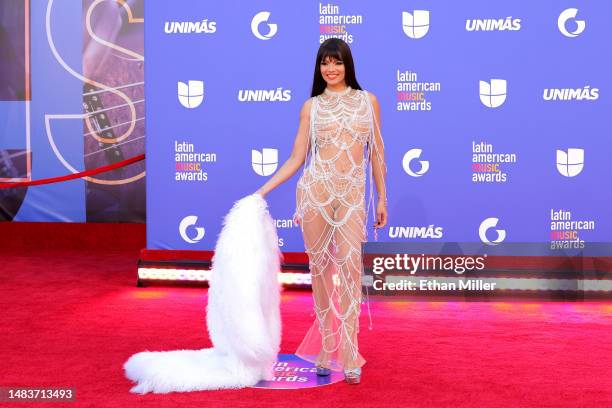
x=305 y=111
x=372 y=97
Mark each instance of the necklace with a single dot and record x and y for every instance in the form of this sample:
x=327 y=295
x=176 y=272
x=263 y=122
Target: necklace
x=337 y=93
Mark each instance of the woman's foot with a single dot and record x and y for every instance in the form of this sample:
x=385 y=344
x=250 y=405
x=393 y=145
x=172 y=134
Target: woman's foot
x=323 y=364
x=323 y=371
x=353 y=376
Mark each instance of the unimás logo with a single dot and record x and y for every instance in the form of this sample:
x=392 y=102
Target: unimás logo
x=264 y=162
x=491 y=24
x=430 y=231
x=569 y=94
x=564 y=17
x=264 y=95
x=415 y=24
x=190 y=27
x=571 y=162
x=262 y=17
x=190 y=221
x=485 y=226
x=191 y=94
x=493 y=94
x=410 y=156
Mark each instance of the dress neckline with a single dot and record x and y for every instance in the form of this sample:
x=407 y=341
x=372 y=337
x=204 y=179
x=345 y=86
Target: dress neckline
x=328 y=91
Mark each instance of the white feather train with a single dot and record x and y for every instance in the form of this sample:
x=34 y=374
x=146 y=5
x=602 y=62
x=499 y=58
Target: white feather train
x=243 y=313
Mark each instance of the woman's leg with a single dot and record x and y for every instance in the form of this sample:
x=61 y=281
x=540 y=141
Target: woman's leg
x=318 y=236
x=348 y=236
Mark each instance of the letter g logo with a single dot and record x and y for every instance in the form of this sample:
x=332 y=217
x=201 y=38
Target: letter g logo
x=409 y=157
x=566 y=15
x=187 y=222
x=259 y=18
x=488 y=224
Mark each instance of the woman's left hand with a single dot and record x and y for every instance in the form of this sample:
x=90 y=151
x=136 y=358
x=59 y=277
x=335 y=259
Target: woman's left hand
x=381 y=214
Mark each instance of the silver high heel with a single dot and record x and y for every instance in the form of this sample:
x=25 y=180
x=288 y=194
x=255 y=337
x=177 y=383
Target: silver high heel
x=353 y=376
x=321 y=369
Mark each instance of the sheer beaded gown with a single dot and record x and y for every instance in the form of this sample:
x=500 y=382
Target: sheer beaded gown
x=330 y=206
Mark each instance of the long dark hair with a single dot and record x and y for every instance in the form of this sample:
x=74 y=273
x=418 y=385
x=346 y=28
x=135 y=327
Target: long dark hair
x=338 y=49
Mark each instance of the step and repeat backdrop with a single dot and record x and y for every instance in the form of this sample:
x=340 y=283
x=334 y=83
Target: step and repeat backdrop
x=495 y=115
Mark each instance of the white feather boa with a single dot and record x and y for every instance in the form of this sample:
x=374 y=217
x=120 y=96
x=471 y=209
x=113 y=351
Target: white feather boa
x=243 y=313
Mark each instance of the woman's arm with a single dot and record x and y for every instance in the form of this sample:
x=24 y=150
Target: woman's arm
x=379 y=167
x=298 y=154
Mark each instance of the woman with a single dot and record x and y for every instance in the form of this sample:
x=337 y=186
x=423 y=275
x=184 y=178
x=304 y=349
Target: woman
x=338 y=138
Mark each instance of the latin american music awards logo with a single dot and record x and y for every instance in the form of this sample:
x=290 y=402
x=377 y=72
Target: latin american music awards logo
x=489 y=166
x=566 y=232
x=290 y=371
x=413 y=93
x=336 y=24
x=190 y=164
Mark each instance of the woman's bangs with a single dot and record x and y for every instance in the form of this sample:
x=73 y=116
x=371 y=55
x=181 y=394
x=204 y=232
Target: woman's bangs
x=331 y=51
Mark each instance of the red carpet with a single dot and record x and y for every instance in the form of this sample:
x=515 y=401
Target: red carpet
x=71 y=318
